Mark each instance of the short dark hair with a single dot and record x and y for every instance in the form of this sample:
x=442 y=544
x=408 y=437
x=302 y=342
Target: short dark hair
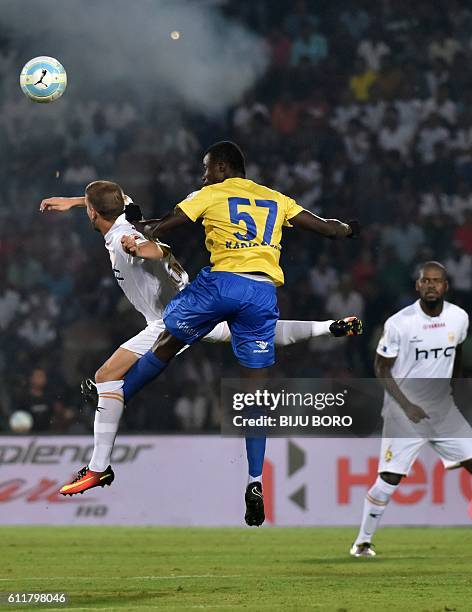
x=106 y=198
x=228 y=152
x=433 y=264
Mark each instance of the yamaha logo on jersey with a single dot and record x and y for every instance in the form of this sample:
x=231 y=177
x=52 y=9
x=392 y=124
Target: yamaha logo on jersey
x=434 y=353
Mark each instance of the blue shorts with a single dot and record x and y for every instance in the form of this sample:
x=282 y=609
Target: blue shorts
x=248 y=306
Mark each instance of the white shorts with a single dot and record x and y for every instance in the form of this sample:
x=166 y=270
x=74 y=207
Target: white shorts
x=144 y=341
x=397 y=455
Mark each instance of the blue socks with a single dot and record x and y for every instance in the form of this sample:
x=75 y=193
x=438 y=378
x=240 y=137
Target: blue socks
x=143 y=371
x=255 y=450
x=150 y=367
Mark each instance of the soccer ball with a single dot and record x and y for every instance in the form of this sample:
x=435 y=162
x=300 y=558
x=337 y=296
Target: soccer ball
x=43 y=79
x=21 y=421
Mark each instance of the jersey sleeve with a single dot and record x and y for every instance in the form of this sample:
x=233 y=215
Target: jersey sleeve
x=195 y=204
x=140 y=239
x=292 y=209
x=389 y=343
x=464 y=329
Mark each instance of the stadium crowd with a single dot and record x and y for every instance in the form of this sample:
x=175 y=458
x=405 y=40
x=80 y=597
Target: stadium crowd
x=364 y=112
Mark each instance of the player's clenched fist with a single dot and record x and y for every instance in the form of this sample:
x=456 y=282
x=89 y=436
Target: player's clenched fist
x=130 y=245
x=349 y=326
x=414 y=413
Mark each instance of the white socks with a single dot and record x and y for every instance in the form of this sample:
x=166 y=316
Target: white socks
x=290 y=332
x=286 y=332
x=107 y=419
x=375 y=503
x=252 y=479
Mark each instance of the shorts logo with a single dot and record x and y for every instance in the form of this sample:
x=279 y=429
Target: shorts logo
x=262 y=347
x=185 y=327
x=388 y=454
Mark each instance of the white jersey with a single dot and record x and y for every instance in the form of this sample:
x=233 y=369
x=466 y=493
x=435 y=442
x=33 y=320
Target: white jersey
x=148 y=285
x=424 y=348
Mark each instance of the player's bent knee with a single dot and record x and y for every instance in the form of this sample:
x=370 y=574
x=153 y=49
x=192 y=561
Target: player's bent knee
x=102 y=374
x=391 y=478
x=167 y=346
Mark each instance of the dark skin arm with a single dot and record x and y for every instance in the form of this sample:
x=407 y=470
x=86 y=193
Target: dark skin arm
x=154 y=228
x=457 y=370
x=383 y=371
x=331 y=228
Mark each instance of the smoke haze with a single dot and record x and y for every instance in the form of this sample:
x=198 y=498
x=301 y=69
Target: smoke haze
x=115 y=49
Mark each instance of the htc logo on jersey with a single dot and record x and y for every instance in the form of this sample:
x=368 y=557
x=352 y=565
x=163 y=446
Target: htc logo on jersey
x=435 y=352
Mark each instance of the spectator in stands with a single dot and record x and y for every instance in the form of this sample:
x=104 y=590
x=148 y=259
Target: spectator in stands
x=461 y=146
x=310 y=44
x=390 y=78
x=361 y=80
x=395 y=136
x=285 y=114
x=436 y=76
x=463 y=233
x=459 y=268
x=443 y=47
x=355 y=20
x=36 y=398
x=245 y=113
x=441 y=105
x=191 y=409
x=431 y=132
x=372 y=48
x=357 y=142
x=323 y=277
x=100 y=143
x=79 y=171
x=461 y=201
x=299 y=18
x=404 y=237
x=345 y=299
x=280 y=48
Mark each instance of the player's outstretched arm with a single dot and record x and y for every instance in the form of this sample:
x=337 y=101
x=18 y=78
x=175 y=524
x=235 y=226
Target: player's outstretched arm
x=383 y=371
x=58 y=204
x=154 y=228
x=331 y=228
x=144 y=249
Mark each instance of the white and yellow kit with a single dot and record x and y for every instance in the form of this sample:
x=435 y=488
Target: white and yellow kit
x=424 y=348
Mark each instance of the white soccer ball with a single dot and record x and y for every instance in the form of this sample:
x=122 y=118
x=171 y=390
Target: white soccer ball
x=21 y=421
x=43 y=79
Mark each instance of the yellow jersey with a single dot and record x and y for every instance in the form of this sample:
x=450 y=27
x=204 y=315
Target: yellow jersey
x=243 y=225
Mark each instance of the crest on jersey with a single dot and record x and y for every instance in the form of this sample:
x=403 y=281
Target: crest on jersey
x=388 y=454
x=451 y=336
x=192 y=195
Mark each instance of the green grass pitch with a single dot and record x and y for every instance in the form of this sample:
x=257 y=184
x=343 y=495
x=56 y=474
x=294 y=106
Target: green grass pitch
x=268 y=569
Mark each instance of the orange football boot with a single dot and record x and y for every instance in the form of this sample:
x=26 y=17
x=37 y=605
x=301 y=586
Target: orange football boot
x=86 y=479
